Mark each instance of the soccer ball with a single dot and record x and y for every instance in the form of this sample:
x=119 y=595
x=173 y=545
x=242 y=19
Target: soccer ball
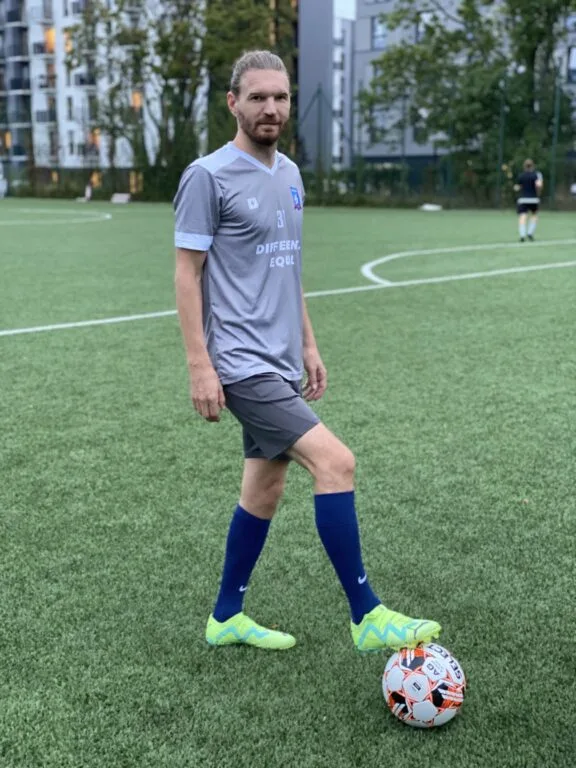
x=424 y=686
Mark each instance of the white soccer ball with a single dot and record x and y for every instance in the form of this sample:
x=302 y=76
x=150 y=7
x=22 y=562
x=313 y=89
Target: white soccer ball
x=424 y=686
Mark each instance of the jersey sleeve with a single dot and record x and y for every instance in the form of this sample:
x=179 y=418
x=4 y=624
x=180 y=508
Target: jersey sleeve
x=197 y=209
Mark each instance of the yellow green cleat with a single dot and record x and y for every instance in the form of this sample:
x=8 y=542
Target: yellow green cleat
x=241 y=630
x=382 y=628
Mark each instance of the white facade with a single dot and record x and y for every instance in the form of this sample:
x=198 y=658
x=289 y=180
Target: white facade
x=47 y=112
x=41 y=103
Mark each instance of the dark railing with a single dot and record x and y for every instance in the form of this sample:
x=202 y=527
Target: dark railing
x=13 y=15
x=42 y=49
x=19 y=84
x=46 y=116
x=42 y=12
x=88 y=150
x=19 y=116
x=47 y=81
x=17 y=50
x=87 y=79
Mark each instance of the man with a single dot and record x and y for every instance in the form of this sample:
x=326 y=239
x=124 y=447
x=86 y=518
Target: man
x=248 y=337
x=529 y=184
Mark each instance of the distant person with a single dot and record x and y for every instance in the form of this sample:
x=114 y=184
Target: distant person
x=529 y=184
x=248 y=340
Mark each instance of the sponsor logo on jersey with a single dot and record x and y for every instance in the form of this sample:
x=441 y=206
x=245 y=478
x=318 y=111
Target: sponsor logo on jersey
x=278 y=245
x=296 y=198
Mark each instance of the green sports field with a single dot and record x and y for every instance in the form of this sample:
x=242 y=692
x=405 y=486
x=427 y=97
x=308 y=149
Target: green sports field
x=458 y=397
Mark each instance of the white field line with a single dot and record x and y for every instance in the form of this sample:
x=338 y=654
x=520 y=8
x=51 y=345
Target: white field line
x=368 y=269
x=376 y=284
x=85 y=217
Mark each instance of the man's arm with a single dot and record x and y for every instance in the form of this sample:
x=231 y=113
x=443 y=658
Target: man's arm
x=206 y=390
x=315 y=370
x=308 y=338
x=539 y=182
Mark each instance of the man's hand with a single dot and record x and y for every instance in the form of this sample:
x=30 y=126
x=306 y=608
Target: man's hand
x=206 y=392
x=317 y=380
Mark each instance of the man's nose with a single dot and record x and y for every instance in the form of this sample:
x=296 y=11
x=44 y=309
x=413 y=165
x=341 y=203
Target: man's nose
x=270 y=106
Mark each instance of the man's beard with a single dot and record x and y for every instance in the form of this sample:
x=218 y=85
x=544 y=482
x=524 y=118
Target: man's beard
x=262 y=139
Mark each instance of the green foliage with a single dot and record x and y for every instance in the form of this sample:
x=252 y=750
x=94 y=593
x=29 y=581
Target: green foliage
x=472 y=72
x=156 y=65
x=232 y=29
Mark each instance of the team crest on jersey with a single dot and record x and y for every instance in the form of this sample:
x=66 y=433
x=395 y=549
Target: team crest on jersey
x=296 y=198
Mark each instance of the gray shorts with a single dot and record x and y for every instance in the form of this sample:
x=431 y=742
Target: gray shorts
x=272 y=413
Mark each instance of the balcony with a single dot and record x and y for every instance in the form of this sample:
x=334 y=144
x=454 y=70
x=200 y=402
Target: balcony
x=46 y=82
x=17 y=52
x=83 y=117
x=19 y=84
x=88 y=150
x=42 y=13
x=41 y=49
x=46 y=116
x=19 y=117
x=18 y=151
x=15 y=16
x=88 y=80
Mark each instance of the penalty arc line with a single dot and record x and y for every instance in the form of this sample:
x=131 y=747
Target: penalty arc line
x=375 y=284
x=367 y=270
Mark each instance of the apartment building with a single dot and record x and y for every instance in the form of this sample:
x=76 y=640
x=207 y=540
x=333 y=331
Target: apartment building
x=372 y=38
x=325 y=82
x=45 y=110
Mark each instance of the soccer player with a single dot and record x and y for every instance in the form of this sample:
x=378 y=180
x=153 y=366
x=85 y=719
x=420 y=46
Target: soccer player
x=529 y=184
x=248 y=340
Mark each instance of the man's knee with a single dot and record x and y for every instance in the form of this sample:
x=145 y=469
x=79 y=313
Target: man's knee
x=261 y=496
x=337 y=465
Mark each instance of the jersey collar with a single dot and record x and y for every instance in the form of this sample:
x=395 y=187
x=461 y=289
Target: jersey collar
x=255 y=161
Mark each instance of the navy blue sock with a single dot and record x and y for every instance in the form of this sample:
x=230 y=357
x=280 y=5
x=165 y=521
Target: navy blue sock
x=246 y=537
x=338 y=528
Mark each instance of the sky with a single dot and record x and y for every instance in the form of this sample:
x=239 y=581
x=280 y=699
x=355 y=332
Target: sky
x=345 y=9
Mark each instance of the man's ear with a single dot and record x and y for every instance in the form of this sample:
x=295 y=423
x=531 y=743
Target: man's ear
x=231 y=101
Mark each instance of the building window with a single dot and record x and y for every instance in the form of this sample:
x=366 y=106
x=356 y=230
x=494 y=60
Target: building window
x=69 y=108
x=378 y=34
x=71 y=142
x=65 y=7
x=571 y=74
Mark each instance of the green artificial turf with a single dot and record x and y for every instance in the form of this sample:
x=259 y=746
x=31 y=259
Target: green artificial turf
x=458 y=399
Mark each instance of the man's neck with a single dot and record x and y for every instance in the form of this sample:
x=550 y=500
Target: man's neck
x=266 y=155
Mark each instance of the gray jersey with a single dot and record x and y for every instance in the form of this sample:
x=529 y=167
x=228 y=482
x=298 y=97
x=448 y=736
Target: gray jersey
x=248 y=217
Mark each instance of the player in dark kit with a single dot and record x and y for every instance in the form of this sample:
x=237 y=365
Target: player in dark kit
x=529 y=186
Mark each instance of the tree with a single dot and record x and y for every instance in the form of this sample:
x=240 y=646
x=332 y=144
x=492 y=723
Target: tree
x=158 y=62
x=232 y=29
x=476 y=77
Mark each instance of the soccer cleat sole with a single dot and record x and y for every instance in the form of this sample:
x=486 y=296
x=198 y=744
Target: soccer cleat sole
x=401 y=644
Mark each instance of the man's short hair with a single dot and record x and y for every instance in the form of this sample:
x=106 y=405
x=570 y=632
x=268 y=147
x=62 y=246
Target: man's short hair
x=254 y=60
x=528 y=165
